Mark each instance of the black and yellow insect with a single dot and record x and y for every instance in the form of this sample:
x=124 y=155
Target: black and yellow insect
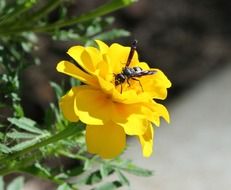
x=131 y=72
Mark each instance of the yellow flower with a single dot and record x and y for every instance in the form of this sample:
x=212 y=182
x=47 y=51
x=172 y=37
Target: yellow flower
x=113 y=111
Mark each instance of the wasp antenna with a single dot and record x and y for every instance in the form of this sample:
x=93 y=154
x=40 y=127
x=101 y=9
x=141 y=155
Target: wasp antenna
x=131 y=53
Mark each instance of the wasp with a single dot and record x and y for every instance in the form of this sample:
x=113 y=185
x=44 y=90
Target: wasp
x=131 y=72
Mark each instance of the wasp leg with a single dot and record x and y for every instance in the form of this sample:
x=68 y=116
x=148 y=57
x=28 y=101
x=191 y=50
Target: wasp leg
x=139 y=83
x=128 y=82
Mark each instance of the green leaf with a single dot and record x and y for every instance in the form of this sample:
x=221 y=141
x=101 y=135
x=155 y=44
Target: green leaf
x=27 y=47
x=74 y=82
x=74 y=171
x=1 y=183
x=106 y=8
x=20 y=135
x=17 y=12
x=58 y=90
x=92 y=30
x=109 y=186
x=37 y=170
x=64 y=186
x=105 y=170
x=43 y=169
x=49 y=117
x=2 y=5
x=1 y=135
x=61 y=176
x=122 y=178
x=87 y=165
x=65 y=35
x=27 y=143
x=56 y=113
x=45 y=10
x=93 y=178
x=135 y=170
x=4 y=149
x=16 y=184
x=112 y=34
x=26 y=124
x=18 y=110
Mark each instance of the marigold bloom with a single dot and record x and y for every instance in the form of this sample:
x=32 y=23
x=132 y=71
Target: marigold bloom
x=110 y=114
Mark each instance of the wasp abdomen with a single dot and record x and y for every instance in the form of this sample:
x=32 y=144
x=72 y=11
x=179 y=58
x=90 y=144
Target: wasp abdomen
x=128 y=71
x=137 y=69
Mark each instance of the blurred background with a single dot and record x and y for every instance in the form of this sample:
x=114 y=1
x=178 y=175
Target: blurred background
x=190 y=42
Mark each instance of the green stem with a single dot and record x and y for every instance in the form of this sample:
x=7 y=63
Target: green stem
x=74 y=156
x=69 y=131
x=50 y=6
x=20 y=9
x=42 y=12
x=24 y=163
x=6 y=171
x=100 y=11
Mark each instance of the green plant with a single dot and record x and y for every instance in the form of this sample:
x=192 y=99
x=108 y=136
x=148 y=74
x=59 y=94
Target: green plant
x=24 y=143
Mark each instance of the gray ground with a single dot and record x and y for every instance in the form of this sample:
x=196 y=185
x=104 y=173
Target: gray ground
x=194 y=151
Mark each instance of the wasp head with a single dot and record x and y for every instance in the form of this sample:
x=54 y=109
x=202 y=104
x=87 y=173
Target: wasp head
x=119 y=79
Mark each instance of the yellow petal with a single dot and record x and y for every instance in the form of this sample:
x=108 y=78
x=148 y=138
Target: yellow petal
x=104 y=69
x=70 y=69
x=132 y=117
x=135 y=125
x=118 y=57
x=159 y=111
x=106 y=140
x=91 y=57
x=156 y=85
x=130 y=96
x=97 y=108
x=93 y=106
x=76 y=52
x=146 y=141
x=106 y=86
x=102 y=46
x=87 y=57
x=88 y=63
x=67 y=106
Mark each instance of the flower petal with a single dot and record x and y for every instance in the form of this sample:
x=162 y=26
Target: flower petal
x=104 y=69
x=106 y=140
x=132 y=117
x=67 y=106
x=118 y=57
x=91 y=56
x=106 y=86
x=88 y=58
x=76 y=52
x=146 y=141
x=93 y=106
x=156 y=85
x=135 y=125
x=102 y=46
x=70 y=69
x=110 y=112
x=159 y=110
